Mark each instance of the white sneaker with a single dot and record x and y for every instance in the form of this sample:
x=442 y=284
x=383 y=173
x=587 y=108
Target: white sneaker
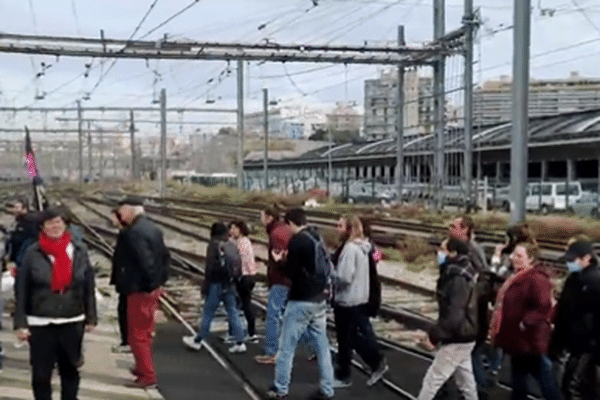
x=252 y=339
x=238 y=348
x=378 y=373
x=228 y=339
x=191 y=343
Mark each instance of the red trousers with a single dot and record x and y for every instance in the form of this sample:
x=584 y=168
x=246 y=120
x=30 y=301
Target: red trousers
x=141 y=307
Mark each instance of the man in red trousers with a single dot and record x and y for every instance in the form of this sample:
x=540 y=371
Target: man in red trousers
x=146 y=267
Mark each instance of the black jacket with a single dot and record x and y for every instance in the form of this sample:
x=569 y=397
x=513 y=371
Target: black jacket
x=577 y=321
x=144 y=256
x=457 y=300
x=300 y=267
x=118 y=264
x=24 y=235
x=33 y=294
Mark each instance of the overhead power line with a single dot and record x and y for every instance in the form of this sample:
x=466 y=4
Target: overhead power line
x=137 y=28
x=585 y=15
x=171 y=18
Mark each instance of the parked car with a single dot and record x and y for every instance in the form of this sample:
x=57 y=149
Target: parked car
x=586 y=205
x=549 y=196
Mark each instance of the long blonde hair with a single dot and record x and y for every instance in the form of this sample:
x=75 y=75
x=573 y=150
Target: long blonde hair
x=355 y=227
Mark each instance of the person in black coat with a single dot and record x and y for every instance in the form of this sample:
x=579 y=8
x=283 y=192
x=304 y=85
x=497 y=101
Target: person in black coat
x=577 y=324
x=116 y=279
x=55 y=299
x=146 y=268
x=455 y=331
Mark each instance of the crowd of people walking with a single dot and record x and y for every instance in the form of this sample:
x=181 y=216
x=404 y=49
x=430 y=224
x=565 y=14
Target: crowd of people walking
x=508 y=307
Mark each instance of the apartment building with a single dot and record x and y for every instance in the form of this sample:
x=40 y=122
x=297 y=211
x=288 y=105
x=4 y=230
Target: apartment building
x=492 y=101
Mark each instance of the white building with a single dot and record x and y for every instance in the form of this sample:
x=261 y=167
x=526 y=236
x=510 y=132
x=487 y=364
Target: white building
x=492 y=101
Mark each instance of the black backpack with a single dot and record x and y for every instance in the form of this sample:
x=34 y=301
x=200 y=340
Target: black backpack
x=230 y=259
x=322 y=276
x=374 y=303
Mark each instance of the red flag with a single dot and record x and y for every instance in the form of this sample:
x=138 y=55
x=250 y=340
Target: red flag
x=32 y=168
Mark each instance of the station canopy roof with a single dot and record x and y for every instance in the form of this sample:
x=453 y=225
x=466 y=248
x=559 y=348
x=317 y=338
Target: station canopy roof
x=557 y=130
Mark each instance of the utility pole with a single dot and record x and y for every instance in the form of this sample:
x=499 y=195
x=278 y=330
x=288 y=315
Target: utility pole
x=89 y=137
x=134 y=173
x=520 y=102
x=439 y=27
x=240 y=123
x=80 y=147
x=400 y=121
x=163 y=142
x=101 y=167
x=266 y=127
x=469 y=22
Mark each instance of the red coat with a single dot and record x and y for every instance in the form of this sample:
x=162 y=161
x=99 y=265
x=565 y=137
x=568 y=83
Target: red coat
x=526 y=311
x=279 y=237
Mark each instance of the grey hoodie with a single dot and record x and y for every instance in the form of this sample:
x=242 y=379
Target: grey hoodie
x=352 y=274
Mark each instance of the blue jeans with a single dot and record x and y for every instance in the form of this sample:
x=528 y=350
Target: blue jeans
x=217 y=293
x=540 y=367
x=276 y=304
x=481 y=375
x=301 y=317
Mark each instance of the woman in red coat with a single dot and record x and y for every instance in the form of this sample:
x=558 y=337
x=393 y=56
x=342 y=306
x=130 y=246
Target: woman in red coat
x=521 y=323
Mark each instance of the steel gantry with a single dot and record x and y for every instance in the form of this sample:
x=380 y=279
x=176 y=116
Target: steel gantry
x=194 y=50
x=430 y=54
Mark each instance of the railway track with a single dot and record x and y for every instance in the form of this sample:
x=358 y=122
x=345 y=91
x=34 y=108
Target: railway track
x=182 y=298
x=403 y=302
x=386 y=232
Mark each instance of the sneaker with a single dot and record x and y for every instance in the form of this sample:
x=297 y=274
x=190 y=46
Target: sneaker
x=238 y=348
x=378 y=373
x=228 y=339
x=274 y=394
x=191 y=343
x=341 y=383
x=121 y=349
x=318 y=395
x=252 y=339
x=265 y=359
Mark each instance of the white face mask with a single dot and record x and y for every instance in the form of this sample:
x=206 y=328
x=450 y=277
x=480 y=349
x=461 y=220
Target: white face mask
x=573 y=266
x=441 y=257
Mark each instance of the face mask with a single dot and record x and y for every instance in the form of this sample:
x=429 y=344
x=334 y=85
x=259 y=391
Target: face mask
x=573 y=266
x=441 y=257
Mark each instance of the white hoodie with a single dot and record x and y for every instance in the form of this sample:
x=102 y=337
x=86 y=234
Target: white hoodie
x=352 y=274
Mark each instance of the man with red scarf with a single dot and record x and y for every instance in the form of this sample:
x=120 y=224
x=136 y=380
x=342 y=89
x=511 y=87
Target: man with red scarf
x=54 y=301
x=146 y=267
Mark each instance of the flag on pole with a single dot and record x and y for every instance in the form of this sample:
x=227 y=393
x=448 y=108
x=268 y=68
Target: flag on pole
x=32 y=168
x=33 y=172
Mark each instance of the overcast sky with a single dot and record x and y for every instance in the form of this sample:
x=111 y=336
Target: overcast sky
x=565 y=37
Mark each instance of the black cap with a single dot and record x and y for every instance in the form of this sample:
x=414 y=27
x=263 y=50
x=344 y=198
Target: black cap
x=132 y=201
x=50 y=213
x=579 y=249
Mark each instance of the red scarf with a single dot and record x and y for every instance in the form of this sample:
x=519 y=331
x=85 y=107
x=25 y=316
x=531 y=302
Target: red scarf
x=62 y=267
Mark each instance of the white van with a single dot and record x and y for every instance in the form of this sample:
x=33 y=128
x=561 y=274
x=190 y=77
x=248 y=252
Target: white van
x=548 y=196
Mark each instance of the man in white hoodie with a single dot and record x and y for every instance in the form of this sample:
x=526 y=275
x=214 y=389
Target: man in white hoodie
x=353 y=328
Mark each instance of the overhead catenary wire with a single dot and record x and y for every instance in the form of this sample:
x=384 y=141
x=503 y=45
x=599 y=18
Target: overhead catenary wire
x=171 y=18
x=586 y=16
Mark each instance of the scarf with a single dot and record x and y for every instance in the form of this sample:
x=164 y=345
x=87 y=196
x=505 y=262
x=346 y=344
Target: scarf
x=62 y=265
x=497 y=314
